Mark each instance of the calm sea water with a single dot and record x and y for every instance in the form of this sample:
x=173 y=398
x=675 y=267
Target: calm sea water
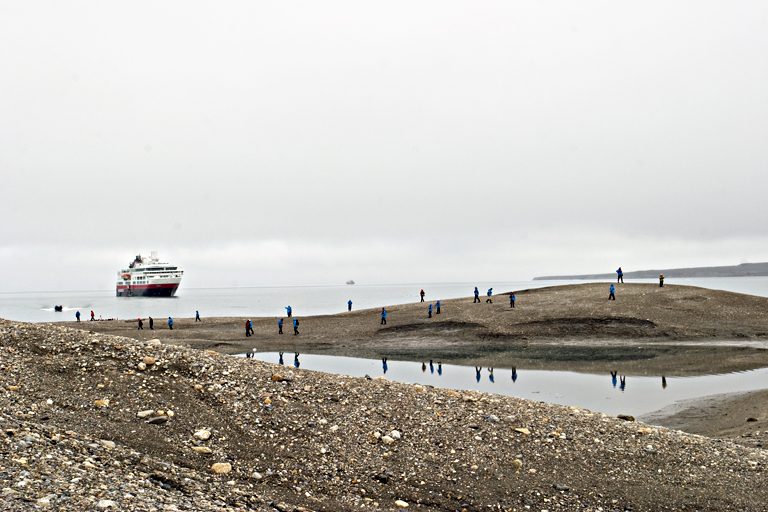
x=639 y=395
x=305 y=300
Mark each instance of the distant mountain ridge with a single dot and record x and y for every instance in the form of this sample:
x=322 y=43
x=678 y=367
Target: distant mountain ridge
x=743 y=270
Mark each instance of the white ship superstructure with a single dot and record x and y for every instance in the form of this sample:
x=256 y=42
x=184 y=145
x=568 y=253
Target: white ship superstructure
x=148 y=277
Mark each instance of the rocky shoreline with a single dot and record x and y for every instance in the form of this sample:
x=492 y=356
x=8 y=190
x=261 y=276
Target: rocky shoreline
x=93 y=421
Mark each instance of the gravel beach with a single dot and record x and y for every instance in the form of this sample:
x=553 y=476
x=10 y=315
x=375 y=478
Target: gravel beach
x=92 y=421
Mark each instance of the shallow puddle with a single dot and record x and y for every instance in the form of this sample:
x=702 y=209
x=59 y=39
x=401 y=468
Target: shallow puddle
x=631 y=395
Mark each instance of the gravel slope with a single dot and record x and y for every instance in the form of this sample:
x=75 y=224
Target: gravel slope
x=296 y=439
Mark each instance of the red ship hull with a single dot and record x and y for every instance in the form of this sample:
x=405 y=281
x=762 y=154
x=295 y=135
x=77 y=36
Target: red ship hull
x=148 y=290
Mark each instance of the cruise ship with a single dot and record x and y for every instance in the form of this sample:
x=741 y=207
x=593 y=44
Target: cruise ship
x=148 y=277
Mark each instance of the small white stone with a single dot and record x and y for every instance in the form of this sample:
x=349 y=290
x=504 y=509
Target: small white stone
x=106 y=504
x=203 y=434
x=401 y=504
x=144 y=414
x=395 y=434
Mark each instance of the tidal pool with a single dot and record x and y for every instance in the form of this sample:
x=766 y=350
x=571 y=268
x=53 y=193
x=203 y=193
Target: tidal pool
x=620 y=395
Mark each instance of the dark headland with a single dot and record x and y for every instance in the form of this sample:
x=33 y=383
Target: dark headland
x=743 y=270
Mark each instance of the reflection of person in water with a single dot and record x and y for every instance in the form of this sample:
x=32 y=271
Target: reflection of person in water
x=514 y=374
x=623 y=383
x=613 y=378
x=423 y=367
x=384 y=364
x=439 y=368
x=477 y=371
x=431 y=367
x=296 y=362
x=281 y=358
x=663 y=382
x=490 y=377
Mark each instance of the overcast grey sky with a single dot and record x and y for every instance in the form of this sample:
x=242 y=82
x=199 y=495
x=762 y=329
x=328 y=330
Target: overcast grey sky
x=290 y=143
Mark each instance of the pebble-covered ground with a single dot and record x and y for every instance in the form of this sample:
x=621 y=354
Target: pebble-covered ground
x=96 y=422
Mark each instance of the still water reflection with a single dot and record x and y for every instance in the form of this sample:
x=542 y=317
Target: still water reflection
x=610 y=393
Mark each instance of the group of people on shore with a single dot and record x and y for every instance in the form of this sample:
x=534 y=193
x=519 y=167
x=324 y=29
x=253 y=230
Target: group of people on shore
x=620 y=279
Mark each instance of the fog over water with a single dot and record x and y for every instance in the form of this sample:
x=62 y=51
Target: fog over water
x=305 y=143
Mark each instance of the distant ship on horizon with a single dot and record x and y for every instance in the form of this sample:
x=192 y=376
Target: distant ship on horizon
x=148 y=277
x=350 y=282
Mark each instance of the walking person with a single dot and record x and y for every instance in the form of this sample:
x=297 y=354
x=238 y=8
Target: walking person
x=661 y=280
x=280 y=326
x=349 y=305
x=490 y=377
x=613 y=378
x=477 y=295
x=383 y=316
x=620 y=278
x=430 y=311
x=612 y=296
x=477 y=373
x=281 y=358
x=250 y=326
x=170 y=323
x=247 y=328
x=438 y=308
x=296 y=359
x=295 y=326
x=93 y=317
x=77 y=315
x=512 y=300
x=197 y=316
x=141 y=325
x=490 y=296
x=384 y=364
x=422 y=295
x=151 y=324
x=289 y=310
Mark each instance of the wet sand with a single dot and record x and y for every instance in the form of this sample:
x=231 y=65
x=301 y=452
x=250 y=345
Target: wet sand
x=647 y=330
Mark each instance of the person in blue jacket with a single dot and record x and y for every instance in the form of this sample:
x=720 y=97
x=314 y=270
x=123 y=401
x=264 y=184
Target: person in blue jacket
x=477 y=373
x=620 y=278
x=477 y=295
x=490 y=296
x=281 y=358
x=438 y=308
x=613 y=378
x=384 y=364
x=430 y=310
x=197 y=316
x=170 y=323
x=512 y=299
x=490 y=377
x=280 y=326
x=295 y=326
x=349 y=305
x=296 y=362
x=383 y=316
x=250 y=327
x=289 y=310
x=77 y=315
x=612 y=296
